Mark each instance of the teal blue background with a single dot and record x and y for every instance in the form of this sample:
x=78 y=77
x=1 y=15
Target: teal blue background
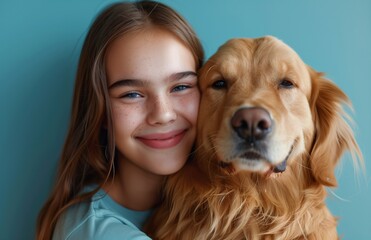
x=40 y=43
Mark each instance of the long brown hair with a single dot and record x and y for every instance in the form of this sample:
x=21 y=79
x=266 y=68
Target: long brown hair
x=88 y=153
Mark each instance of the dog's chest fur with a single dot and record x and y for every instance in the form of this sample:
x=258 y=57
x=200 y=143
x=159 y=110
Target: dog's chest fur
x=242 y=206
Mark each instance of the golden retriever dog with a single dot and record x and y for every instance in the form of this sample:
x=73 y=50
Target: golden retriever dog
x=270 y=132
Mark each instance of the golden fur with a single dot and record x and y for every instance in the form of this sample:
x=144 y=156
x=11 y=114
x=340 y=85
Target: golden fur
x=221 y=195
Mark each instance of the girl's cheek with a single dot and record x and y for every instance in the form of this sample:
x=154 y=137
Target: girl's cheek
x=189 y=105
x=128 y=114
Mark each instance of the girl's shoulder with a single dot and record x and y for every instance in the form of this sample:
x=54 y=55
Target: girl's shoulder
x=101 y=218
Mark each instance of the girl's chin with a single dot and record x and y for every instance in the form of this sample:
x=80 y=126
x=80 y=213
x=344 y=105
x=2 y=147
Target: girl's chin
x=168 y=168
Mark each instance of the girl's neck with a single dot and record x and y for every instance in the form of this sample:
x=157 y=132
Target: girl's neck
x=134 y=187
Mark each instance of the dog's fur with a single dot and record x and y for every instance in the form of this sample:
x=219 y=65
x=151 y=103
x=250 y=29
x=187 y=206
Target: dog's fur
x=231 y=188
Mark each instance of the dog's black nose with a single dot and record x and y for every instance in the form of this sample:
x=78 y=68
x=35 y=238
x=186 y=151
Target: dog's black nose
x=252 y=124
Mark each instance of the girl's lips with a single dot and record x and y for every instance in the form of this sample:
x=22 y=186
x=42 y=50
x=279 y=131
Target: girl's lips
x=163 y=140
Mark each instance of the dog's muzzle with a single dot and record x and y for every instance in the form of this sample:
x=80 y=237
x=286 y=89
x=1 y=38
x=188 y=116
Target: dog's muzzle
x=254 y=125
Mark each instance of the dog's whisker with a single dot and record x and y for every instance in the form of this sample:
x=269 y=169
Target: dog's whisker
x=337 y=196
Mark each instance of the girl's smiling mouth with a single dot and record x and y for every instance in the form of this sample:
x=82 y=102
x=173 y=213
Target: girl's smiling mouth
x=163 y=140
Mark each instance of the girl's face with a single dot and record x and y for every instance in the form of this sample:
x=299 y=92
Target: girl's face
x=154 y=99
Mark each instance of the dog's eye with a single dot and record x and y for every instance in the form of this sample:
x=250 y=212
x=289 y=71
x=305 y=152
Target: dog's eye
x=285 y=83
x=219 y=84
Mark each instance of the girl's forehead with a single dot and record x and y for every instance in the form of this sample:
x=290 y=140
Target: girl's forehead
x=149 y=33
x=147 y=54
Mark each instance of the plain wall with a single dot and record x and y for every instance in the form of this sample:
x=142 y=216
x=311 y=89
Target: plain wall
x=39 y=46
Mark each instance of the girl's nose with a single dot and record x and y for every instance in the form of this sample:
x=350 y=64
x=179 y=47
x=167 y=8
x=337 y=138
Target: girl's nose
x=161 y=111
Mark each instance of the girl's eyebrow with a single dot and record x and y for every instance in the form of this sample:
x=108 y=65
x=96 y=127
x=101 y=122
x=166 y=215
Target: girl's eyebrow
x=141 y=83
x=181 y=75
x=127 y=82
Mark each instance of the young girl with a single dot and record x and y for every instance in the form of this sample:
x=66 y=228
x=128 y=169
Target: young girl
x=133 y=122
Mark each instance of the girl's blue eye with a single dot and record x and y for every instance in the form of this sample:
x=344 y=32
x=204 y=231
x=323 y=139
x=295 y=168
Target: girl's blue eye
x=180 y=88
x=131 y=95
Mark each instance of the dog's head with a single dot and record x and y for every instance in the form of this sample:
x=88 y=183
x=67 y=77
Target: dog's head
x=262 y=108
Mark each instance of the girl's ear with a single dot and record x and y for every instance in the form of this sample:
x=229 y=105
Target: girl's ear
x=333 y=135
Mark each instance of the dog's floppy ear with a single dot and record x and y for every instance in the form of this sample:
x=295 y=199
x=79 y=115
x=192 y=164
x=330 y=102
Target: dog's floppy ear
x=333 y=135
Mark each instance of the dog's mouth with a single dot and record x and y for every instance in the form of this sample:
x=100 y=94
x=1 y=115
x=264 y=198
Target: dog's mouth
x=277 y=169
x=281 y=167
x=254 y=156
x=255 y=161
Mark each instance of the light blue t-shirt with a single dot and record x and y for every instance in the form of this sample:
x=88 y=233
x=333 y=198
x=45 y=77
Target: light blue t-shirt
x=100 y=219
